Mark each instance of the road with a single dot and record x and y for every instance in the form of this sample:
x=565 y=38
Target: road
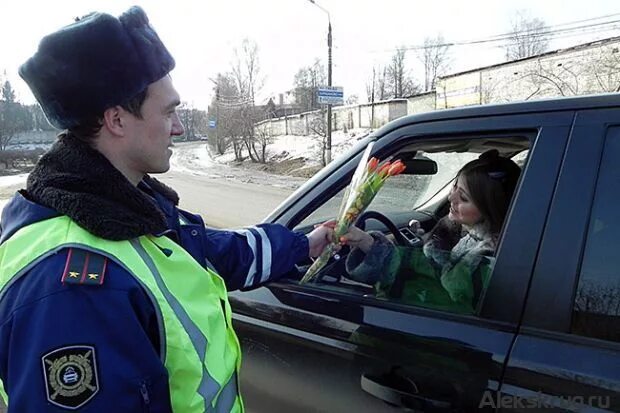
x=225 y=203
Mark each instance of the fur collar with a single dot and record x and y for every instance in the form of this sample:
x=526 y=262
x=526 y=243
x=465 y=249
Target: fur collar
x=449 y=242
x=78 y=181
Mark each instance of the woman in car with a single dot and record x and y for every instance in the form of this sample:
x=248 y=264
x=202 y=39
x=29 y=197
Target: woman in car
x=453 y=267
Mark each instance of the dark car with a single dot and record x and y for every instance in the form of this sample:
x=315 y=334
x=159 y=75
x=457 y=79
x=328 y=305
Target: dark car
x=546 y=333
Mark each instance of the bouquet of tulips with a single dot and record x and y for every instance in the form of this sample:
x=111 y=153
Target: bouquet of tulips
x=368 y=178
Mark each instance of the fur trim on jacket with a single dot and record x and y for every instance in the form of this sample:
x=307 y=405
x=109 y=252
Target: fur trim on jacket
x=78 y=181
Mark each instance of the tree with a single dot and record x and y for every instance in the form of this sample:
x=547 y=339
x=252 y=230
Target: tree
x=376 y=86
x=306 y=84
x=8 y=94
x=528 y=37
x=399 y=83
x=318 y=126
x=246 y=72
x=194 y=121
x=14 y=117
x=435 y=58
x=221 y=111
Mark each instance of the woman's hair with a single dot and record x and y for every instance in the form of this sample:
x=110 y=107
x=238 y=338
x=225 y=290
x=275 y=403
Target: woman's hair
x=88 y=128
x=491 y=180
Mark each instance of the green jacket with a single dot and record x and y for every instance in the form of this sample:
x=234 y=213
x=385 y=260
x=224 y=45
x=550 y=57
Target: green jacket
x=451 y=280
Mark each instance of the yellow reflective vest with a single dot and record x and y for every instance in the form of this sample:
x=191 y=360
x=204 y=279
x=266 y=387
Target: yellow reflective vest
x=199 y=347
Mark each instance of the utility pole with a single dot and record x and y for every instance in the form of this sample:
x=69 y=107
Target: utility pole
x=328 y=143
x=217 y=113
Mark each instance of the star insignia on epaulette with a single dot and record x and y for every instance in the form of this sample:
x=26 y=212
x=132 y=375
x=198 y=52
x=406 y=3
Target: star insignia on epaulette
x=84 y=267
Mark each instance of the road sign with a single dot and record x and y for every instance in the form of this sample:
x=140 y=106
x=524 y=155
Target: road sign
x=212 y=124
x=331 y=95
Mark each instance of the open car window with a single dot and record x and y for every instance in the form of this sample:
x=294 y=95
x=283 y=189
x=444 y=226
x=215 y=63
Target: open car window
x=450 y=275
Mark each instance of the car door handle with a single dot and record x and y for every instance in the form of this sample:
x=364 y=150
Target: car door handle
x=411 y=399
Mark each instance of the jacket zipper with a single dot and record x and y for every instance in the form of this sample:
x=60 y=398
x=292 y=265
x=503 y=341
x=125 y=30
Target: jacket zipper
x=145 y=394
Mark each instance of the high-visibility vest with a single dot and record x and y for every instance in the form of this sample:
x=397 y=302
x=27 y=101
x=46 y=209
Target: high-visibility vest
x=200 y=349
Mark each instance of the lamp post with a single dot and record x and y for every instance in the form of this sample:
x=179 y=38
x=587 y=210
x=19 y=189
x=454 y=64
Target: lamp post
x=217 y=108
x=328 y=144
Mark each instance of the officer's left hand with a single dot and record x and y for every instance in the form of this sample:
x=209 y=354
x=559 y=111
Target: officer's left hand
x=318 y=239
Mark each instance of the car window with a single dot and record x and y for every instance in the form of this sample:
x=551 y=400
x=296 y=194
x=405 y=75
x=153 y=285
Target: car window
x=447 y=268
x=402 y=192
x=596 y=311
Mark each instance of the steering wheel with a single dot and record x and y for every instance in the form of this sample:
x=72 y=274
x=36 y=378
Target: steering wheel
x=365 y=216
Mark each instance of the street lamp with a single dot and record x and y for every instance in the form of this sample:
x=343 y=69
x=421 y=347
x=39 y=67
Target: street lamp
x=217 y=108
x=328 y=149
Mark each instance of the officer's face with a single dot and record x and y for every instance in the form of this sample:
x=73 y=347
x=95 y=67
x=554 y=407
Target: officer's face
x=150 y=138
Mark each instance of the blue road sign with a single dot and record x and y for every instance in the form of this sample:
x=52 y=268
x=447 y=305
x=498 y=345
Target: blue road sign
x=212 y=124
x=331 y=95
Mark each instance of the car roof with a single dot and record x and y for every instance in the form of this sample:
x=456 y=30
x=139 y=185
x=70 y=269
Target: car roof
x=542 y=105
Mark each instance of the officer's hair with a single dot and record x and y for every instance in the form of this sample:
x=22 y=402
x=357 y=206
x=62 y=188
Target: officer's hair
x=88 y=128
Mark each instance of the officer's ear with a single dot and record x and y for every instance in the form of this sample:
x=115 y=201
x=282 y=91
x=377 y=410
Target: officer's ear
x=114 y=120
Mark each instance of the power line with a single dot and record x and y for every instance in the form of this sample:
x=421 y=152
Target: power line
x=510 y=37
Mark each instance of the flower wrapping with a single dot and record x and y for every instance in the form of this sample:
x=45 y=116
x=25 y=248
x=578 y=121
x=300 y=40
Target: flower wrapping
x=367 y=180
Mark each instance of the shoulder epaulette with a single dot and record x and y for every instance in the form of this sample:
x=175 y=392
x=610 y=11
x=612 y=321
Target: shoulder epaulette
x=84 y=267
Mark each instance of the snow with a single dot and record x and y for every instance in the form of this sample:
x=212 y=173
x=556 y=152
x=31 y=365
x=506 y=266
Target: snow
x=194 y=158
x=308 y=147
x=11 y=180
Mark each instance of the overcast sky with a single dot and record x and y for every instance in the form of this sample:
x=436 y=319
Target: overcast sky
x=202 y=35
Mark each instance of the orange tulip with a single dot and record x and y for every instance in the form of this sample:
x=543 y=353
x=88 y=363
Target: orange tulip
x=383 y=170
x=396 y=168
x=372 y=164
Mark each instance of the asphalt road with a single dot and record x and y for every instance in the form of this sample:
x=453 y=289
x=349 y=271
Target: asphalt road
x=225 y=203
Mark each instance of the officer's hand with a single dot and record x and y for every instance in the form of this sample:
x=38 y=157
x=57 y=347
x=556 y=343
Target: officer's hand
x=318 y=239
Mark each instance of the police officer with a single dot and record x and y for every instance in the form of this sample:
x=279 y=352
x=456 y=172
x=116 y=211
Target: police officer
x=110 y=296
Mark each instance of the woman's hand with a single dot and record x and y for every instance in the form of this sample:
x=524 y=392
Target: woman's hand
x=357 y=238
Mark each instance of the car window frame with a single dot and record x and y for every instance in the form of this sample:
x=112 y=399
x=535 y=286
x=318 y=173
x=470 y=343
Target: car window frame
x=556 y=124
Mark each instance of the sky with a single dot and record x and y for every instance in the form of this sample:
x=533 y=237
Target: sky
x=290 y=34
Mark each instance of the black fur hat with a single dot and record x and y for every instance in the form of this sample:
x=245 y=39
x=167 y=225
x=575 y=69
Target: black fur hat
x=93 y=64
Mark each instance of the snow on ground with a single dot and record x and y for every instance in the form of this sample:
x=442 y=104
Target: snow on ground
x=11 y=180
x=293 y=147
x=196 y=159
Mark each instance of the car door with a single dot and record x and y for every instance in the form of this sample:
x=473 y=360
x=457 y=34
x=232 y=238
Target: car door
x=567 y=353
x=313 y=348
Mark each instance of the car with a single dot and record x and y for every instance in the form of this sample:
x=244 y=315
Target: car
x=546 y=333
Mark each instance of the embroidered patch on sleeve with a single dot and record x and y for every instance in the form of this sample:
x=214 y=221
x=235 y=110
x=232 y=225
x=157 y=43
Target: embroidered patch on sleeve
x=70 y=375
x=83 y=267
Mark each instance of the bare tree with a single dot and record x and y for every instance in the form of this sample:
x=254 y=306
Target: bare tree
x=399 y=82
x=435 y=58
x=14 y=117
x=221 y=111
x=194 y=121
x=376 y=89
x=318 y=127
x=529 y=37
x=306 y=84
x=246 y=72
x=605 y=67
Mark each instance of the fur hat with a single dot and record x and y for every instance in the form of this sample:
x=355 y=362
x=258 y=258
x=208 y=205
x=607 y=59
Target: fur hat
x=93 y=64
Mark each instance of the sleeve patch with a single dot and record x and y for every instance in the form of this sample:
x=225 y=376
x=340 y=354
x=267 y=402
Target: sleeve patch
x=70 y=374
x=83 y=267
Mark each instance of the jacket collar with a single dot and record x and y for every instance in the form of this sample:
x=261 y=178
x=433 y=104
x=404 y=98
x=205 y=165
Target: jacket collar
x=78 y=181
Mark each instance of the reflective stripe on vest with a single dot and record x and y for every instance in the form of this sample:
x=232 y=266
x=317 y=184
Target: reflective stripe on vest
x=199 y=347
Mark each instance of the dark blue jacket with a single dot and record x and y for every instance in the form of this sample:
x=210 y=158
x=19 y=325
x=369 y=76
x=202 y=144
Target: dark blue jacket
x=40 y=315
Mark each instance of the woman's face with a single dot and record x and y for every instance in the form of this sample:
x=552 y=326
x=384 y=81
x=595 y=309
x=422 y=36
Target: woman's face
x=462 y=207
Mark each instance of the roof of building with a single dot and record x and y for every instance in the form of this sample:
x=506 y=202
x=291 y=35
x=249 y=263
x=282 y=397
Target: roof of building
x=596 y=43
